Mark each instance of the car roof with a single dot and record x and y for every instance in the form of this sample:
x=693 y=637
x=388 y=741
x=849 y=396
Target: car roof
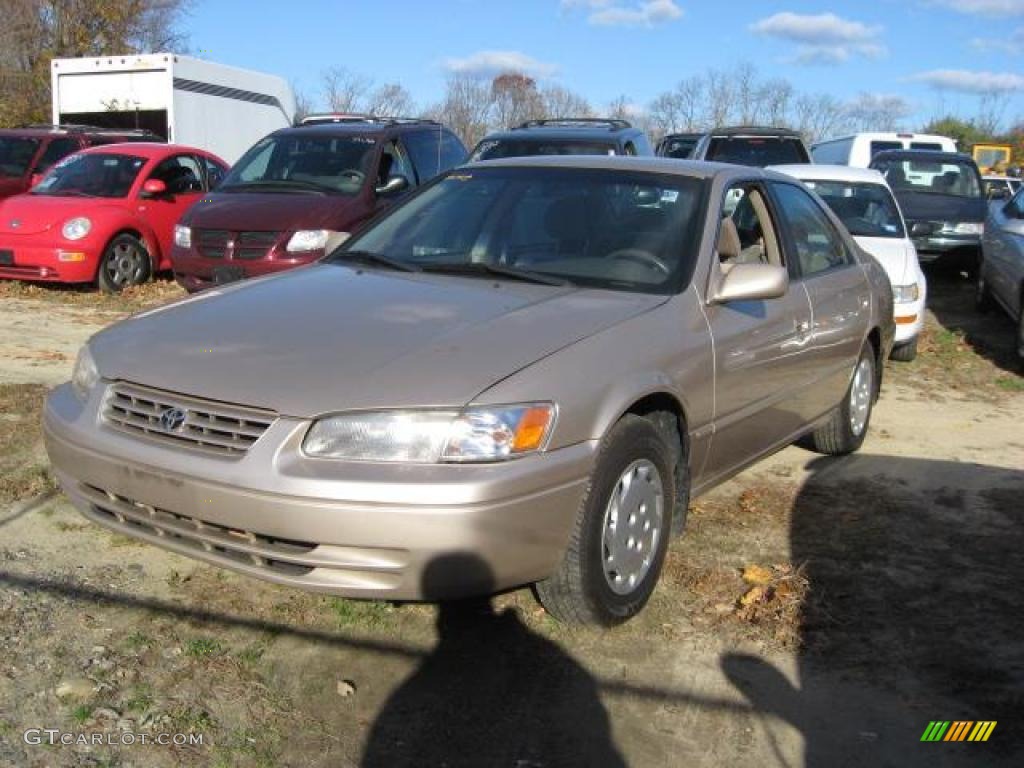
x=920 y=154
x=71 y=130
x=823 y=172
x=376 y=128
x=754 y=130
x=147 y=149
x=643 y=164
x=601 y=130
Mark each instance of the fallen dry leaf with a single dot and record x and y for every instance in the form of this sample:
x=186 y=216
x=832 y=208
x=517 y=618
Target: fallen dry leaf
x=757 y=574
x=753 y=595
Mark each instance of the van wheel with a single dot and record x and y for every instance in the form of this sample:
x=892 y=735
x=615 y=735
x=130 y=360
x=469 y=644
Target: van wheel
x=621 y=533
x=125 y=262
x=1020 y=330
x=982 y=295
x=848 y=425
x=905 y=353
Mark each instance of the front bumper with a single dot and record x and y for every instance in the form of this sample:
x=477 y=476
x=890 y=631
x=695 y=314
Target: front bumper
x=935 y=246
x=346 y=528
x=196 y=273
x=49 y=263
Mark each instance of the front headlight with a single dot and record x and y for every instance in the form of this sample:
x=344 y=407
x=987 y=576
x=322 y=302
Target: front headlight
x=492 y=433
x=182 y=236
x=76 y=228
x=85 y=374
x=905 y=294
x=964 y=227
x=306 y=240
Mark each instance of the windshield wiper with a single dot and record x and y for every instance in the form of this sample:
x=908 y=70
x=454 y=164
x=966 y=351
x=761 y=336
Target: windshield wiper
x=376 y=259
x=483 y=269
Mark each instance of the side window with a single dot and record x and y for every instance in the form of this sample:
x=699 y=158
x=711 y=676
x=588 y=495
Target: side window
x=394 y=162
x=215 y=173
x=751 y=236
x=453 y=153
x=425 y=149
x=181 y=174
x=818 y=245
x=56 y=150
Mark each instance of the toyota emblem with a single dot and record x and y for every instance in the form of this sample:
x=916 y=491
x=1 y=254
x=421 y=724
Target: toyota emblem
x=173 y=419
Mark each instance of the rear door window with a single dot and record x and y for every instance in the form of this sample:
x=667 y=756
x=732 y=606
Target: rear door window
x=819 y=247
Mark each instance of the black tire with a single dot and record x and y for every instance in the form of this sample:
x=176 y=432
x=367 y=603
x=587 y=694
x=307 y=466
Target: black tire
x=905 y=353
x=982 y=295
x=838 y=436
x=579 y=592
x=1020 y=330
x=125 y=262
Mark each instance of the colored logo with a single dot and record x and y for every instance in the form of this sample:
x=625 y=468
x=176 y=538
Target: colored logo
x=958 y=730
x=172 y=419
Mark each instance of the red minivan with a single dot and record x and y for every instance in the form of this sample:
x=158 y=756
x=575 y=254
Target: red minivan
x=300 y=191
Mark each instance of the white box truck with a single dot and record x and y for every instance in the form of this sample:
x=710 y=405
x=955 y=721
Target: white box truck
x=222 y=109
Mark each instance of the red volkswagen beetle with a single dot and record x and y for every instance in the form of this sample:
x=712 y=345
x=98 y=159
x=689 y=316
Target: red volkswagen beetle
x=104 y=215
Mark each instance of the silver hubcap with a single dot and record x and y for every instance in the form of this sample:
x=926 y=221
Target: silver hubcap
x=860 y=397
x=124 y=265
x=632 y=526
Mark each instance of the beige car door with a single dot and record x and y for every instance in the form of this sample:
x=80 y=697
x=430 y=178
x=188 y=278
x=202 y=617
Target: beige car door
x=760 y=347
x=839 y=293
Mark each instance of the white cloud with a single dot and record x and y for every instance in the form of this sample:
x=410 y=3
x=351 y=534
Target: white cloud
x=984 y=7
x=1012 y=44
x=491 y=63
x=615 y=13
x=964 y=81
x=822 y=38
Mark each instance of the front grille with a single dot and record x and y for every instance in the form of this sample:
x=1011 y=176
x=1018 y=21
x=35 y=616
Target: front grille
x=218 y=428
x=212 y=243
x=255 y=245
x=283 y=556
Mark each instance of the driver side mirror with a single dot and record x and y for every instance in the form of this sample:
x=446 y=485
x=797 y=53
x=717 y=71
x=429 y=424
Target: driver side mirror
x=922 y=229
x=154 y=188
x=396 y=183
x=750 y=282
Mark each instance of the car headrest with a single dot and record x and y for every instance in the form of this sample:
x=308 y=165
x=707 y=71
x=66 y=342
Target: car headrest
x=729 y=246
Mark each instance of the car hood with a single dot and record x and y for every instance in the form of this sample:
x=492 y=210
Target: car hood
x=330 y=337
x=11 y=185
x=278 y=212
x=930 y=206
x=32 y=214
x=893 y=253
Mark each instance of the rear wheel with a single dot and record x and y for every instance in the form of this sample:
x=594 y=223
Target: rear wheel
x=621 y=532
x=982 y=296
x=1020 y=330
x=125 y=262
x=905 y=353
x=848 y=425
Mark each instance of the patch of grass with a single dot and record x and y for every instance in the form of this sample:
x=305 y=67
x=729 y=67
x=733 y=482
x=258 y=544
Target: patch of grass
x=1011 y=383
x=23 y=472
x=192 y=719
x=365 y=614
x=81 y=713
x=141 y=699
x=250 y=655
x=137 y=641
x=203 y=647
x=65 y=527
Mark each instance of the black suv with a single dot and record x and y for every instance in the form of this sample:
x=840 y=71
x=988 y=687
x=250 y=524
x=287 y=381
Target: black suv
x=29 y=152
x=752 y=145
x=299 y=192
x=678 y=145
x=564 y=136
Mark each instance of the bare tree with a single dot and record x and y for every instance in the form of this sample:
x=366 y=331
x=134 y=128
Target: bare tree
x=391 y=99
x=466 y=108
x=719 y=96
x=872 y=112
x=561 y=102
x=303 y=102
x=345 y=91
x=818 y=117
x=621 y=108
x=991 y=108
x=776 y=102
x=515 y=99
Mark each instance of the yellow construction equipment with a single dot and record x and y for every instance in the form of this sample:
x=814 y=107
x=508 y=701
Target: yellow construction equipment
x=992 y=158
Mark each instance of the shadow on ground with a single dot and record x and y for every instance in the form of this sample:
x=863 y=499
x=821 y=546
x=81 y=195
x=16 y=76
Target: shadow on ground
x=899 y=553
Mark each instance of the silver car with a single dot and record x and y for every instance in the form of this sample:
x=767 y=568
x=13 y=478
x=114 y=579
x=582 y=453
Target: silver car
x=535 y=363
x=1001 y=275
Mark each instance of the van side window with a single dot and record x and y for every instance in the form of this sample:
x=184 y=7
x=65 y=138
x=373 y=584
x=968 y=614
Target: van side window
x=819 y=247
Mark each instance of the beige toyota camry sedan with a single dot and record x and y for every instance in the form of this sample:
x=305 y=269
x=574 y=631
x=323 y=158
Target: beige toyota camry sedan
x=530 y=365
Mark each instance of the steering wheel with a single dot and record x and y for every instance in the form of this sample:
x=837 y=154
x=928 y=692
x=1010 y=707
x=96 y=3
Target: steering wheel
x=639 y=256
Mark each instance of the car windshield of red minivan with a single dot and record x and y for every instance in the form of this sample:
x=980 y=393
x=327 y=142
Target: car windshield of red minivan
x=15 y=155
x=99 y=175
x=332 y=165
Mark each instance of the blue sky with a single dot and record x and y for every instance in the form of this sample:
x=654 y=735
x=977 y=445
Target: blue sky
x=938 y=55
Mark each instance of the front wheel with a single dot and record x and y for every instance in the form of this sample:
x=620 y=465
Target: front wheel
x=982 y=296
x=621 y=532
x=905 y=353
x=848 y=425
x=124 y=262
x=1020 y=330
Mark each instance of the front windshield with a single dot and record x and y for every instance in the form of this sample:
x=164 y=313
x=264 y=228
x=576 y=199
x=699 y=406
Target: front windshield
x=493 y=149
x=335 y=165
x=616 y=230
x=15 y=154
x=91 y=175
x=954 y=178
x=866 y=209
